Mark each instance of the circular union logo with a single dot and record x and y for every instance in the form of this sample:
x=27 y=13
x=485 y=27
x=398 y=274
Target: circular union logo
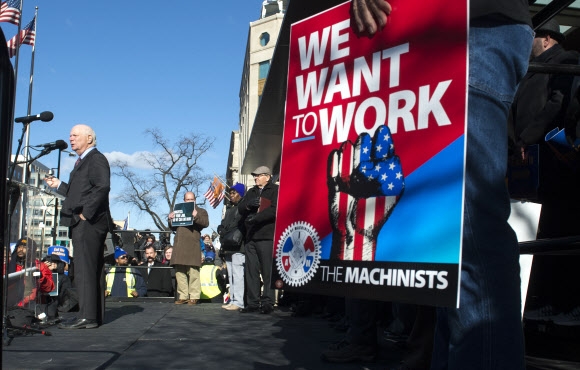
x=298 y=253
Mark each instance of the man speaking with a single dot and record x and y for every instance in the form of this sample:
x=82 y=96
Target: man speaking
x=86 y=212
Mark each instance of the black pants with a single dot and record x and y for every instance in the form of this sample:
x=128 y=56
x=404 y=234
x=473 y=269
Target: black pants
x=89 y=280
x=259 y=260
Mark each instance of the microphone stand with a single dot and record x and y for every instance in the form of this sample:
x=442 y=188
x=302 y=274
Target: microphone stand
x=8 y=330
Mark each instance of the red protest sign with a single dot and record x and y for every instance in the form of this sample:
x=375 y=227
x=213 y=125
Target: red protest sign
x=367 y=121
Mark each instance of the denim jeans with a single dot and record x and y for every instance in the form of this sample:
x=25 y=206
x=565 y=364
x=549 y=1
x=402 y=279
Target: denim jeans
x=235 y=263
x=486 y=331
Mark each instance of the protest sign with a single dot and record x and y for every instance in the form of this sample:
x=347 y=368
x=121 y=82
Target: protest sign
x=372 y=168
x=183 y=214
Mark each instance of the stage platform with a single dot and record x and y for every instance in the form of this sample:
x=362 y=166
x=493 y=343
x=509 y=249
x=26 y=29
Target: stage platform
x=162 y=335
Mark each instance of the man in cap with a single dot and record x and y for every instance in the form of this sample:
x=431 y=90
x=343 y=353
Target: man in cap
x=124 y=281
x=540 y=105
x=58 y=260
x=235 y=259
x=541 y=99
x=258 y=207
x=23 y=258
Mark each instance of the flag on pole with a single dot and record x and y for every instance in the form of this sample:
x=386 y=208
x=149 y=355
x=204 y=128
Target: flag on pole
x=27 y=36
x=10 y=11
x=126 y=224
x=215 y=193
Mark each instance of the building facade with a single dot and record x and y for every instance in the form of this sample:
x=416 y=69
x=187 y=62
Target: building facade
x=38 y=219
x=262 y=38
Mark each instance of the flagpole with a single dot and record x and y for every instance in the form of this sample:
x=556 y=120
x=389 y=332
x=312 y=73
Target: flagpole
x=222 y=181
x=128 y=219
x=17 y=53
x=28 y=110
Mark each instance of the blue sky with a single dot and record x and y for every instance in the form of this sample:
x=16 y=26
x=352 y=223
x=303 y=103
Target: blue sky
x=126 y=66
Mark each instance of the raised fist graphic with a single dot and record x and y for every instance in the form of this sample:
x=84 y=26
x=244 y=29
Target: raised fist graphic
x=365 y=182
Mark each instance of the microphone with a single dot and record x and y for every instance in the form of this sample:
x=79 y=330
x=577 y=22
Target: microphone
x=44 y=117
x=59 y=144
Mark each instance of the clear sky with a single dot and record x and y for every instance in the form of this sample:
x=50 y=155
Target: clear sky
x=125 y=66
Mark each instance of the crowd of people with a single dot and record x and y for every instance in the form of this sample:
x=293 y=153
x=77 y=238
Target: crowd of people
x=485 y=332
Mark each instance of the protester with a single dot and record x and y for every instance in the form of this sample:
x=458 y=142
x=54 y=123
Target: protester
x=258 y=208
x=167 y=251
x=57 y=260
x=33 y=289
x=541 y=104
x=235 y=259
x=158 y=280
x=186 y=256
x=122 y=280
x=486 y=331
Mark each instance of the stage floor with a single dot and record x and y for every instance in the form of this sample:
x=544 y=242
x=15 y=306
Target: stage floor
x=159 y=335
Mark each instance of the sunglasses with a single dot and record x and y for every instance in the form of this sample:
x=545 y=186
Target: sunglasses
x=123 y=257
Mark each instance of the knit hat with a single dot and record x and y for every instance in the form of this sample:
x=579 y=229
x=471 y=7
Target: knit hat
x=59 y=252
x=240 y=188
x=119 y=252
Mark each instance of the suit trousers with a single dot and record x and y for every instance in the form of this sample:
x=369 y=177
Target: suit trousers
x=188 y=282
x=259 y=260
x=88 y=240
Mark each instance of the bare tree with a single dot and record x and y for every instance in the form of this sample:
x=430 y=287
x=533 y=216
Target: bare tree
x=174 y=170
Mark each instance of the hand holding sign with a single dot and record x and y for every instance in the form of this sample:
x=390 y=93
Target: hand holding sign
x=370 y=15
x=365 y=182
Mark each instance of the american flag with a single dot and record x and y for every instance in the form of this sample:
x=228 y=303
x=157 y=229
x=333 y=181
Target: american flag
x=368 y=181
x=10 y=11
x=215 y=193
x=27 y=36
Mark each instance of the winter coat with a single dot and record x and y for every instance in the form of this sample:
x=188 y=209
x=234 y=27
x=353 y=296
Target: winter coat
x=265 y=217
x=541 y=100
x=232 y=220
x=186 y=244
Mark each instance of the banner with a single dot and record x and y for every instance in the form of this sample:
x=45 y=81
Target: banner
x=370 y=204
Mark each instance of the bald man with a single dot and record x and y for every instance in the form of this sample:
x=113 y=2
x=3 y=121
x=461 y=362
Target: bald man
x=86 y=212
x=186 y=257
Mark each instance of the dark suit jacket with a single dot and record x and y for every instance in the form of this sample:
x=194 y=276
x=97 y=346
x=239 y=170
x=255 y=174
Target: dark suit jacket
x=158 y=281
x=87 y=191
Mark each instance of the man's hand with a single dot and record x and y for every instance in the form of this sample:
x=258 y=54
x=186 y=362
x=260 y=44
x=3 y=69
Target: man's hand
x=194 y=212
x=254 y=204
x=365 y=182
x=135 y=294
x=369 y=16
x=82 y=217
x=52 y=181
x=171 y=216
x=107 y=293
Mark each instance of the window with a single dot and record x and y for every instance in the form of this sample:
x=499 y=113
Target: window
x=264 y=67
x=264 y=38
x=62 y=233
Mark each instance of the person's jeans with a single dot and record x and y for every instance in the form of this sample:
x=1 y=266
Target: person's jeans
x=486 y=331
x=235 y=263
